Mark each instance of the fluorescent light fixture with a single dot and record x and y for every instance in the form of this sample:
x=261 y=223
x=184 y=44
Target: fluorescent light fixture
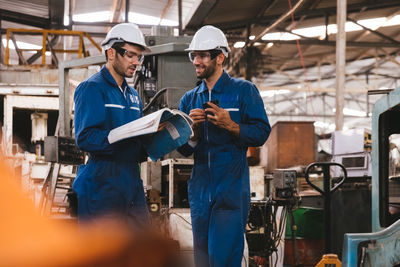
x=372 y=24
x=252 y=37
x=92 y=16
x=311 y=31
x=271 y=93
x=66 y=20
x=319 y=31
x=66 y=13
x=150 y=20
x=280 y=36
x=393 y=21
x=354 y=112
x=239 y=44
x=133 y=17
x=325 y=125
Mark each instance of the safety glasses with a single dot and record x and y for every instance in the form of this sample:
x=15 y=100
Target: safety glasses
x=129 y=54
x=204 y=56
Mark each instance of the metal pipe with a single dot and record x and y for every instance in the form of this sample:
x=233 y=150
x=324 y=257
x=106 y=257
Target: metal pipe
x=126 y=10
x=180 y=16
x=340 y=62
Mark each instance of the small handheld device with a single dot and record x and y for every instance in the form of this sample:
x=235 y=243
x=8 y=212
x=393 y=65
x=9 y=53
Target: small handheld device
x=206 y=105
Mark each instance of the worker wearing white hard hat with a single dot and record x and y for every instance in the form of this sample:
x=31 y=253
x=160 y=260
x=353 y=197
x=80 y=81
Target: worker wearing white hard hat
x=125 y=32
x=108 y=185
x=228 y=116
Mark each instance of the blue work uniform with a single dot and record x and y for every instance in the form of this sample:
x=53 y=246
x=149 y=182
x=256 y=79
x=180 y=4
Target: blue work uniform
x=219 y=190
x=109 y=183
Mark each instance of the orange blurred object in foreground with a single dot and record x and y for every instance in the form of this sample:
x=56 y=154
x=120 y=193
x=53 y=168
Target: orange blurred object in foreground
x=27 y=239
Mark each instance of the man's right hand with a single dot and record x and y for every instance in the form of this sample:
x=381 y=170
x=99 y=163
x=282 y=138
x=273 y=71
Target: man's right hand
x=198 y=116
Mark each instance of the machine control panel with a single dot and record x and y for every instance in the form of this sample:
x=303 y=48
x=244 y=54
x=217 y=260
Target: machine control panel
x=285 y=179
x=62 y=150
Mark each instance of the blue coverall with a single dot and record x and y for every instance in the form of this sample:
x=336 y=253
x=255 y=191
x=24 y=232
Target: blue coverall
x=219 y=190
x=109 y=184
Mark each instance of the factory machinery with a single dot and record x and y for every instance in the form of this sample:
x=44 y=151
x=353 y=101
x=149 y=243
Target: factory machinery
x=165 y=76
x=362 y=216
x=381 y=246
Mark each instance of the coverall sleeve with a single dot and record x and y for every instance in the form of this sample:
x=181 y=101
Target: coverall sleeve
x=185 y=149
x=254 y=126
x=89 y=120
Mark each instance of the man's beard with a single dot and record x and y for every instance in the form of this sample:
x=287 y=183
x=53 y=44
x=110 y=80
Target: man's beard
x=119 y=69
x=208 y=71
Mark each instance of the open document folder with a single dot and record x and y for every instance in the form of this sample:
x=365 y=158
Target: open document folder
x=176 y=132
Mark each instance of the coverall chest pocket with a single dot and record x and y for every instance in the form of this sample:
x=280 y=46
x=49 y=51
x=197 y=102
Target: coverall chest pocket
x=115 y=114
x=235 y=115
x=233 y=108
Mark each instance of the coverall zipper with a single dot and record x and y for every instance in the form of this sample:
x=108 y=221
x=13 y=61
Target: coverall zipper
x=209 y=153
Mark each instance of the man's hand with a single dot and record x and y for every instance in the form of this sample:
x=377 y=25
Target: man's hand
x=161 y=126
x=221 y=118
x=198 y=116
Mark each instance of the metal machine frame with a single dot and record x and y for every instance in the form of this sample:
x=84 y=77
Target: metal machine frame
x=380 y=245
x=64 y=117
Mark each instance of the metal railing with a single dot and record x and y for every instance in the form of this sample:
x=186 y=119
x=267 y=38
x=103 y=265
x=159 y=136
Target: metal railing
x=47 y=44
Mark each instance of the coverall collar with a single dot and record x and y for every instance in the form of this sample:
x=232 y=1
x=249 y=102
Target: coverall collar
x=110 y=79
x=219 y=85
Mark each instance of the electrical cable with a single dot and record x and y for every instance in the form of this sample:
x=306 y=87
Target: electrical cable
x=180 y=216
x=162 y=91
x=300 y=55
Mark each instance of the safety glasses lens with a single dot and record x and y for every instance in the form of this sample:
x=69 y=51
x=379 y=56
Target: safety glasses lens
x=204 y=56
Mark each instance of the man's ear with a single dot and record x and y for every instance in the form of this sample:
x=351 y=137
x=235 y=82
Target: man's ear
x=221 y=58
x=111 y=53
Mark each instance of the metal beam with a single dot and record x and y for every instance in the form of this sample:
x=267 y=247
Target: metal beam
x=56 y=14
x=19 y=53
x=199 y=14
x=105 y=24
x=127 y=10
x=309 y=89
x=314 y=96
x=340 y=62
x=313 y=41
x=278 y=21
x=25 y=19
x=165 y=10
x=1 y=44
x=311 y=14
x=49 y=46
x=180 y=24
x=116 y=10
x=375 y=32
x=29 y=89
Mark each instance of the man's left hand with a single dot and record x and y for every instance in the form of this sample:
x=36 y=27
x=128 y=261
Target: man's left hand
x=221 y=118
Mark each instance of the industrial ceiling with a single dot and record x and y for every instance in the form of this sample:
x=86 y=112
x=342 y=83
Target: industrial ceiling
x=295 y=72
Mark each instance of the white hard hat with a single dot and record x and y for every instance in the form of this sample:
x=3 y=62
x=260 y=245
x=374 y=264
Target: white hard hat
x=125 y=32
x=207 y=38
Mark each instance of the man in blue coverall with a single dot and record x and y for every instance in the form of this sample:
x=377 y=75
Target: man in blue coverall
x=219 y=190
x=108 y=185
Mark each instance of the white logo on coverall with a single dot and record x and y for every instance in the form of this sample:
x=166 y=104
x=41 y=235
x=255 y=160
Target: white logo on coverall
x=134 y=99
